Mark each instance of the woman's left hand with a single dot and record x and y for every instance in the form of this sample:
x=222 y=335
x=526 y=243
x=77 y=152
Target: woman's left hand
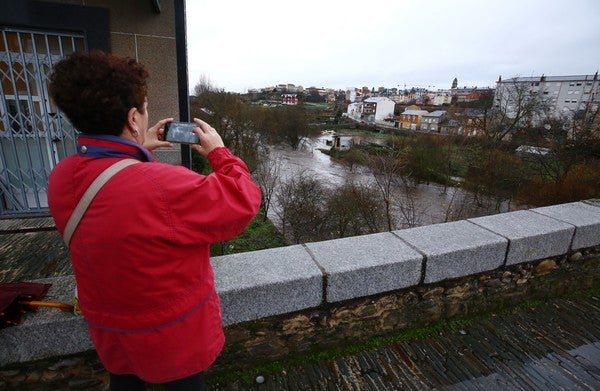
x=155 y=136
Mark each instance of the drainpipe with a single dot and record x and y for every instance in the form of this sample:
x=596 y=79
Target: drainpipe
x=182 y=76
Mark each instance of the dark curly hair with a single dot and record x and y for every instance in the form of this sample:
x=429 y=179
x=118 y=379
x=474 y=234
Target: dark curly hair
x=96 y=90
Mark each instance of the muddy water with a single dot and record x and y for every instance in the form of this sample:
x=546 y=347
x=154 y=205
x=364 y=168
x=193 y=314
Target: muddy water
x=422 y=204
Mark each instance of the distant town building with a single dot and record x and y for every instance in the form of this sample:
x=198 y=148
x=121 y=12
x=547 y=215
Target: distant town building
x=470 y=94
x=591 y=117
x=450 y=127
x=564 y=95
x=377 y=109
x=430 y=122
x=411 y=118
x=472 y=122
x=342 y=143
x=372 y=110
x=354 y=111
x=289 y=99
x=351 y=94
x=442 y=98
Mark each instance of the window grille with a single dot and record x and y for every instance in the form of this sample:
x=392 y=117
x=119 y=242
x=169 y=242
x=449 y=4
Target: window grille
x=34 y=135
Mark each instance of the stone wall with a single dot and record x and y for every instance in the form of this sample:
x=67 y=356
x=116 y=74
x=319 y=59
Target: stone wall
x=290 y=300
x=356 y=321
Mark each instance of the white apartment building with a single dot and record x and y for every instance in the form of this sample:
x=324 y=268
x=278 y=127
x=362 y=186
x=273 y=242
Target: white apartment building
x=378 y=108
x=351 y=94
x=441 y=98
x=371 y=110
x=564 y=95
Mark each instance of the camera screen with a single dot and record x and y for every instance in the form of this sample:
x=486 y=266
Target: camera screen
x=181 y=132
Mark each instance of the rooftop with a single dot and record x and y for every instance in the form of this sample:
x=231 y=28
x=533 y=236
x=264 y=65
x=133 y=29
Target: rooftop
x=415 y=112
x=552 y=78
x=437 y=113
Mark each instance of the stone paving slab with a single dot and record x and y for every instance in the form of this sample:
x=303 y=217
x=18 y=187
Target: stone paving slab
x=520 y=350
x=456 y=249
x=366 y=265
x=585 y=218
x=532 y=236
x=269 y=282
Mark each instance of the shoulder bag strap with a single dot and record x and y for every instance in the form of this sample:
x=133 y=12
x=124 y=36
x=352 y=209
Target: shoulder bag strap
x=89 y=195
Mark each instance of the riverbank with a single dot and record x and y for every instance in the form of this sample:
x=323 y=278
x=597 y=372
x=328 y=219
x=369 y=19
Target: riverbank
x=414 y=203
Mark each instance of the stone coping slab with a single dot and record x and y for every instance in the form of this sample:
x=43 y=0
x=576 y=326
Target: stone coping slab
x=456 y=249
x=366 y=265
x=532 y=236
x=584 y=216
x=31 y=224
x=269 y=282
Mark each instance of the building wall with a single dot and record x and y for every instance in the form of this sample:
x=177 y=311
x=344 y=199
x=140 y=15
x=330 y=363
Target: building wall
x=45 y=31
x=564 y=94
x=385 y=108
x=411 y=119
x=381 y=108
x=137 y=31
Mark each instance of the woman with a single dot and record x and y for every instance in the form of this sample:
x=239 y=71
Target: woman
x=141 y=251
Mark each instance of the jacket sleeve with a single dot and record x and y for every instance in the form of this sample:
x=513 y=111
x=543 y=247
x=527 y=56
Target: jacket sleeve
x=215 y=207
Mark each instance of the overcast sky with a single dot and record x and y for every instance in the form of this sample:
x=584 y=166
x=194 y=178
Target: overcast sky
x=240 y=44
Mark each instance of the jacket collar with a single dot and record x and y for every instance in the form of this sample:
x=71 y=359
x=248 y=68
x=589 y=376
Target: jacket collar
x=101 y=146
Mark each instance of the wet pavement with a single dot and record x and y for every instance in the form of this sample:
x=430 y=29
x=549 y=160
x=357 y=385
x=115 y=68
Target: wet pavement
x=551 y=346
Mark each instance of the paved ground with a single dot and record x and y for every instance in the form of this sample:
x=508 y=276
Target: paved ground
x=555 y=346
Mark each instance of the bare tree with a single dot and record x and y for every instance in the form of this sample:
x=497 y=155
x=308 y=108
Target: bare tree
x=515 y=106
x=353 y=209
x=267 y=175
x=204 y=86
x=387 y=170
x=233 y=119
x=289 y=125
x=301 y=208
x=407 y=203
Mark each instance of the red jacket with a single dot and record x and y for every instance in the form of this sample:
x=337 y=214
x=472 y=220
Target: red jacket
x=141 y=256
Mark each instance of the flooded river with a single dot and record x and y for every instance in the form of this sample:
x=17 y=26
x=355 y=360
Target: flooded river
x=422 y=204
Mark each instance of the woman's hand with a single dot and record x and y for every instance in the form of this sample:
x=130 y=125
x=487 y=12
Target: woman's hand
x=155 y=136
x=209 y=138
